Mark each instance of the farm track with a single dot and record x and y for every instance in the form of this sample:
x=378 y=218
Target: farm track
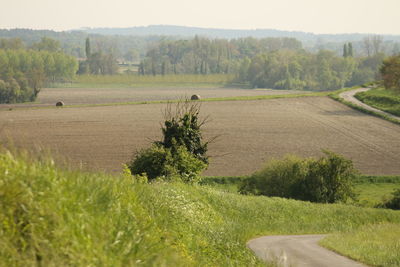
x=250 y=133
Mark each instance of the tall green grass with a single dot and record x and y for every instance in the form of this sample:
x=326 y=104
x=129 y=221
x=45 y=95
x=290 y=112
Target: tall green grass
x=375 y=245
x=51 y=217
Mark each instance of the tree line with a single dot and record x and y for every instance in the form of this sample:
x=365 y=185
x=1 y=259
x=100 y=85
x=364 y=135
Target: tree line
x=207 y=56
x=301 y=70
x=279 y=63
x=23 y=72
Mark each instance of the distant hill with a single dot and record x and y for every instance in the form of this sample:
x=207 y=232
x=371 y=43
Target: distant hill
x=184 y=31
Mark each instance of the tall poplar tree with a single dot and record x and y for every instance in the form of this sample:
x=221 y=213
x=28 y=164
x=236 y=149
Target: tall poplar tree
x=88 y=52
x=350 y=50
x=345 y=50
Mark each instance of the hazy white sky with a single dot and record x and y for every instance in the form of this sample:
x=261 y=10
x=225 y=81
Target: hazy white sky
x=318 y=16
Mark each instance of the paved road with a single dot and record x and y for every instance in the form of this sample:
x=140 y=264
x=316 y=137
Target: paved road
x=298 y=251
x=349 y=97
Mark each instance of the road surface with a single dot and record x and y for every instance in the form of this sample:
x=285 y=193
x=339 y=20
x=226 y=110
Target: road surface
x=298 y=251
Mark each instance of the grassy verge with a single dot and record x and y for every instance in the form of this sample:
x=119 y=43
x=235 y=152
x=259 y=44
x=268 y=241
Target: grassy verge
x=53 y=217
x=375 y=245
x=380 y=98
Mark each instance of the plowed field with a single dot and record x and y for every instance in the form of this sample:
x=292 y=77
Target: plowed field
x=82 y=96
x=250 y=132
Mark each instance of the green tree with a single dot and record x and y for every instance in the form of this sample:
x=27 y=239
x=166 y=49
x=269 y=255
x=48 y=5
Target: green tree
x=350 y=50
x=47 y=44
x=87 y=48
x=390 y=71
x=345 y=50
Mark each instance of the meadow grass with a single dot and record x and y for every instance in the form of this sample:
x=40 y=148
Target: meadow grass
x=125 y=80
x=375 y=245
x=373 y=194
x=51 y=217
x=380 y=98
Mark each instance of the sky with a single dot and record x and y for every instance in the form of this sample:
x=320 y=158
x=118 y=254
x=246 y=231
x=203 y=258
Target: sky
x=317 y=16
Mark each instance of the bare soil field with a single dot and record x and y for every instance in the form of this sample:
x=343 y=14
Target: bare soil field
x=250 y=133
x=79 y=96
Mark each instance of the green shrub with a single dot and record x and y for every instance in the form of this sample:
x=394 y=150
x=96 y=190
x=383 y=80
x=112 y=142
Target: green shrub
x=182 y=128
x=158 y=161
x=327 y=180
x=279 y=178
x=181 y=154
x=393 y=203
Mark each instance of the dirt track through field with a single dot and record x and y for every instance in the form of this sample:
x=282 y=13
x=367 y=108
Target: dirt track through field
x=250 y=133
x=298 y=251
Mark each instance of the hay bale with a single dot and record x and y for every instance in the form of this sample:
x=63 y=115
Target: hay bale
x=59 y=104
x=195 y=97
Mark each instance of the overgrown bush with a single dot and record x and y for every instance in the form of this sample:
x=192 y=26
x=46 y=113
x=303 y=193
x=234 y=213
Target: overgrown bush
x=279 y=178
x=326 y=180
x=182 y=128
x=393 y=203
x=182 y=152
x=158 y=161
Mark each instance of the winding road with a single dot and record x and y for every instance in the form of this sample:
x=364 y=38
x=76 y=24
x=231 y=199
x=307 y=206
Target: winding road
x=298 y=251
x=349 y=97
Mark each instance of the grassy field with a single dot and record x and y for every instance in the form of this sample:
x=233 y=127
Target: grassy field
x=380 y=98
x=56 y=218
x=124 y=80
x=375 y=245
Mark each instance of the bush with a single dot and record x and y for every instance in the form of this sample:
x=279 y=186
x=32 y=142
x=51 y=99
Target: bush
x=182 y=153
x=183 y=128
x=158 y=161
x=393 y=203
x=279 y=178
x=327 y=180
